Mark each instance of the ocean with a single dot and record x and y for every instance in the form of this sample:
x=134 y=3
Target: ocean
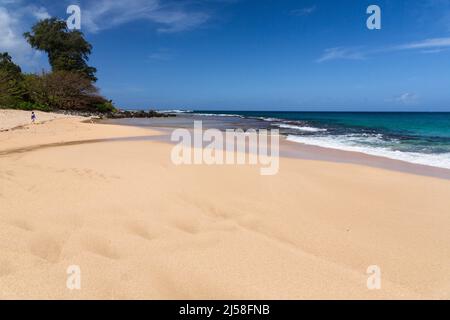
x=421 y=138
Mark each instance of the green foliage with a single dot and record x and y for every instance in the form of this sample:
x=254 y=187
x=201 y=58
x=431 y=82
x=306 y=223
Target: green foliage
x=67 y=50
x=59 y=90
x=10 y=68
x=63 y=90
x=11 y=89
x=105 y=107
x=70 y=85
x=30 y=106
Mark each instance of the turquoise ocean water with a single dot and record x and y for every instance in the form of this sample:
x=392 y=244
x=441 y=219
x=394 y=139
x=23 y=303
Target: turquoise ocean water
x=422 y=138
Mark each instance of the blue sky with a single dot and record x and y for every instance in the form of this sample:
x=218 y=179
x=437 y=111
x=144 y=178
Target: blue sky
x=255 y=54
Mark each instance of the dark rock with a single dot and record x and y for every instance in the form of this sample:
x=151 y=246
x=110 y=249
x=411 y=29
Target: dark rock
x=120 y=114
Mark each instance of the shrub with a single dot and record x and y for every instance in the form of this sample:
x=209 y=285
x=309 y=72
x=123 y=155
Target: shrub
x=57 y=90
x=64 y=90
x=105 y=107
x=30 y=106
x=11 y=88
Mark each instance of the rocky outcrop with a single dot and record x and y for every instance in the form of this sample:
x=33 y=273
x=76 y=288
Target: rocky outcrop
x=120 y=114
x=137 y=114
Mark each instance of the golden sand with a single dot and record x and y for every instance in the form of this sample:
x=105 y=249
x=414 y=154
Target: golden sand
x=140 y=227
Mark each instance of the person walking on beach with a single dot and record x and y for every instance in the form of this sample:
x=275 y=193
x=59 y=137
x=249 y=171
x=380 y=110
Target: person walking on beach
x=33 y=117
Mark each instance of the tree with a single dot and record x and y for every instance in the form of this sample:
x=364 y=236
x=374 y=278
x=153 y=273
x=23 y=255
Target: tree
x=8 y=66
x=11 y=88
x=70 y=85
x=67 y=50
x=4 y=88
x=63 y=90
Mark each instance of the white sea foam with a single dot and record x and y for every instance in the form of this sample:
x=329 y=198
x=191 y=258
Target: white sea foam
x=219 y=115
x=353 y=143
x=268 y=119
x=175 y=111
x=300 y=128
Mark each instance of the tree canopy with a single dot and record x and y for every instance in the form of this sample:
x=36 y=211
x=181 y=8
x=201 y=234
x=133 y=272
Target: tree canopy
x=11 y=89
x=67 y=50
x=70 y=84
x=9 y=69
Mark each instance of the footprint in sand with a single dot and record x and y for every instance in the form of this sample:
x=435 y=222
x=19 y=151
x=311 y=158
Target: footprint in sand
x=5 y=268
x=87 y=173
x=139 y=229
x=10 y=173
x=22 y=224
x=46 y=247
x=101 y=246
x=187 y=226
x=7 y=175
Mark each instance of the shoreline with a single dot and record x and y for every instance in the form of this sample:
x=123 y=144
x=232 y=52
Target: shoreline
x=11 y=119
x=287 y=148
x=310 y=152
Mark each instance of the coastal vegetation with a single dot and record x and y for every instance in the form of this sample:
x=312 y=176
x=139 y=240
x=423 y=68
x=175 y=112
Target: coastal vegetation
x=69 y=86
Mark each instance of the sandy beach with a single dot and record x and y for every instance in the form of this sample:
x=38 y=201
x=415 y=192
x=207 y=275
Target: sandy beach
x=108 y=198
x=10 y=119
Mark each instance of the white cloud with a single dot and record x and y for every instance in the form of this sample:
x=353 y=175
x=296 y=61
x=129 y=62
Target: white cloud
x=304 y=11
x=341 y=53
x=17 y=16
x=169 y=17
x=406 y=98
x=160 y=55
x=12 y=25
x=425 y=44
x=438 y=50
x=40 y=13
x=429 y=46
x=11 y=39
